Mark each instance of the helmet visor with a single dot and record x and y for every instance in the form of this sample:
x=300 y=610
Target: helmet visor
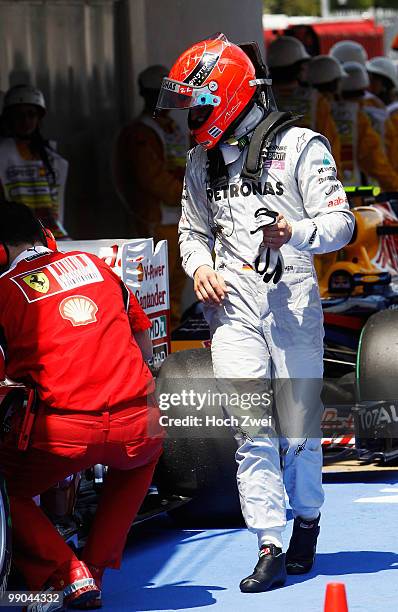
x=174 y=94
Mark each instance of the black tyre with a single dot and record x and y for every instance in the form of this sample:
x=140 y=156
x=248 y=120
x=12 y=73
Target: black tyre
x=5 y=537
x=377 y=360
x=195 y=462
x=377 y=368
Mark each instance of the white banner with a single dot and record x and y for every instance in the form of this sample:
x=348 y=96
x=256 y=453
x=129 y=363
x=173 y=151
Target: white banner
x=109 y=250
x=144 y=270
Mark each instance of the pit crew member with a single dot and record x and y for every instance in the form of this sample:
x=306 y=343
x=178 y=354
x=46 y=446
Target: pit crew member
x=72 y=332
x=148 y=170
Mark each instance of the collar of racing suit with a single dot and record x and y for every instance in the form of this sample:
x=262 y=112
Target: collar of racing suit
x=36 y=250
x=230 y=150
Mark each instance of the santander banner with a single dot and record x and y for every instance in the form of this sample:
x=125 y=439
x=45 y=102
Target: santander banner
x=143 y=268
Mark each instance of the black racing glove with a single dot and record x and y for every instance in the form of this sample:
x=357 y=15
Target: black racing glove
x=269 y=262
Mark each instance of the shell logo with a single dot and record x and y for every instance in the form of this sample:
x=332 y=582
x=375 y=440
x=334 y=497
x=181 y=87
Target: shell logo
x=140 y=270
x=79 y=310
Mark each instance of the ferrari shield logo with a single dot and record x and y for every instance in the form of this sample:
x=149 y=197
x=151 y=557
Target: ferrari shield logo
x=37 y=281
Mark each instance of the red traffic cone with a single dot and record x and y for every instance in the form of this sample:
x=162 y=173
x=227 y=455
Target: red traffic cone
x=335 y=598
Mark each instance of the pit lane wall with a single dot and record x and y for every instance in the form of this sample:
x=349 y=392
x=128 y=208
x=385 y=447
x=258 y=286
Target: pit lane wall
x=143 y=267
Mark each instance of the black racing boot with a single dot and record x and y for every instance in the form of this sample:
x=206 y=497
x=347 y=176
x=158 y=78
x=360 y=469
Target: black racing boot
x=300 y=555
x=269 y=572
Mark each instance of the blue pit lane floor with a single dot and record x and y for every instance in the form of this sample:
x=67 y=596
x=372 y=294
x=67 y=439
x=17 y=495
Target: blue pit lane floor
x=166 y=568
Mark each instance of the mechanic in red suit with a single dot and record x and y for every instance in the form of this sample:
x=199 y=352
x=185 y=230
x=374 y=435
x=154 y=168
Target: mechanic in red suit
x=71 y=329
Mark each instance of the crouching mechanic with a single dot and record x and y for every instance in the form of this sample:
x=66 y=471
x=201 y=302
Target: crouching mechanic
x=258 y=192
x=71 y=330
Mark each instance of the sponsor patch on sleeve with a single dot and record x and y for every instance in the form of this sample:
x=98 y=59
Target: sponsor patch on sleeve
x=337 y=202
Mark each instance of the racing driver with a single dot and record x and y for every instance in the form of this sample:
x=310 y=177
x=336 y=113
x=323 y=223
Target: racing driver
x=263 y=199
x=73 y=333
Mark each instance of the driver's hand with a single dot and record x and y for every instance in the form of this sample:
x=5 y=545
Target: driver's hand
x=276 y=235
x=209 y=286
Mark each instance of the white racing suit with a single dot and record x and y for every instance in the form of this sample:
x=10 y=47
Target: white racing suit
x=263 y=330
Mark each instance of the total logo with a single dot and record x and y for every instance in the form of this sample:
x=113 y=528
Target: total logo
x=337 y=202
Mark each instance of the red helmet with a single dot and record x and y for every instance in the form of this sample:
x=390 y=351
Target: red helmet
x=213 y=73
